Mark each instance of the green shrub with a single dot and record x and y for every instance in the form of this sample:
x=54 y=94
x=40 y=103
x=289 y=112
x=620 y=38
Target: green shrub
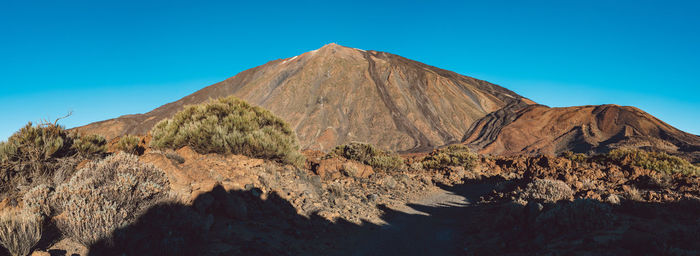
x=129 y=144
x=107 y=195
x=369 y=155
x=229 y=125
x=656 y=161
x=36 y=152
x=90 y=145
x=576 y=157
x=454 y=155
x=20 y=231
x=37 y=143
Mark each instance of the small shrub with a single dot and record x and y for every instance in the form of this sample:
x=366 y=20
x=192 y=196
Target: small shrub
x=369 y=155
x=229 y=125
x=454 y=155
x=175 y=157
x=107 y=195
x=20 y=231
x=655 y=161
x=575 y=157
x=633 y=194
x=90 y=145
x=547 y=190
x=129 y=144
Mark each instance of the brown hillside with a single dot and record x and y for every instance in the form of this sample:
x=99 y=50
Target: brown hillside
x=539 y=129
x=337 y=94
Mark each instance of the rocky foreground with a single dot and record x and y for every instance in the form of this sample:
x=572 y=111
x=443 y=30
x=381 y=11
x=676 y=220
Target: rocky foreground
x=334 y=206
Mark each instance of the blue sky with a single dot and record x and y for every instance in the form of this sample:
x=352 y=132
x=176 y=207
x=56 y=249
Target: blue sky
x=102 y=60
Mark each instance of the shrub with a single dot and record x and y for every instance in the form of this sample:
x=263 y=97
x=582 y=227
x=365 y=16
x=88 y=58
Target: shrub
x=575 y=157
x=655 y=161
x=369 y=155
x=129 y=144
x=37 y=200
x=36 y=152
x=229 y=125
x=90 y=145
x=547 y=190
x=454 y=155
x=31 y=146
x=20 y=231
x=107 y=195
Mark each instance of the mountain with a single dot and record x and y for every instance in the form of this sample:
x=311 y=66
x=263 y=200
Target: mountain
x=538 y=129
x=337 y=94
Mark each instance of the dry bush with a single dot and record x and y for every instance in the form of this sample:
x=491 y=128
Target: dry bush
x=229 y=125
x=20 y=231
x=454 y=155
x=107 y=195
x=656 y=161
x=129 y=144
x=369 y=155
x=633 y=194
x=547 y=190
x=34 y=153
x=38 y=199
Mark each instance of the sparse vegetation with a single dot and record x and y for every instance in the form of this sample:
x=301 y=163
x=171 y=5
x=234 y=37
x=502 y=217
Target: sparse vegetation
x=129 y=144
x=229 y=125
x=107 y=195
x=20 y=231
x=454 y=155
x=656 y=161
x=369 y=155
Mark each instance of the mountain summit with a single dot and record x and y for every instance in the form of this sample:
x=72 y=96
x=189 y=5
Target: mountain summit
x=336 y=94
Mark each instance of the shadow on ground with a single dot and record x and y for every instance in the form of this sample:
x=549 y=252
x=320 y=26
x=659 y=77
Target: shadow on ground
x=272 y=227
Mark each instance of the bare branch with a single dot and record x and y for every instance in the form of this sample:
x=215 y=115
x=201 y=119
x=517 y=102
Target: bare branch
x=64 y=117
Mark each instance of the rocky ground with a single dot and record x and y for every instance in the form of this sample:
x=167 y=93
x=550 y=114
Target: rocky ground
x=506 y=205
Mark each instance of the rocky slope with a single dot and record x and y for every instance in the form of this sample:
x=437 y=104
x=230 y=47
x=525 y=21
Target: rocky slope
x=242 y=205
x=538 y=129
x=337 y=94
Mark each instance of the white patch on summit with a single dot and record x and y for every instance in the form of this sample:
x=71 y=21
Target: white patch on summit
x=359 y=49
x=289 y=59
